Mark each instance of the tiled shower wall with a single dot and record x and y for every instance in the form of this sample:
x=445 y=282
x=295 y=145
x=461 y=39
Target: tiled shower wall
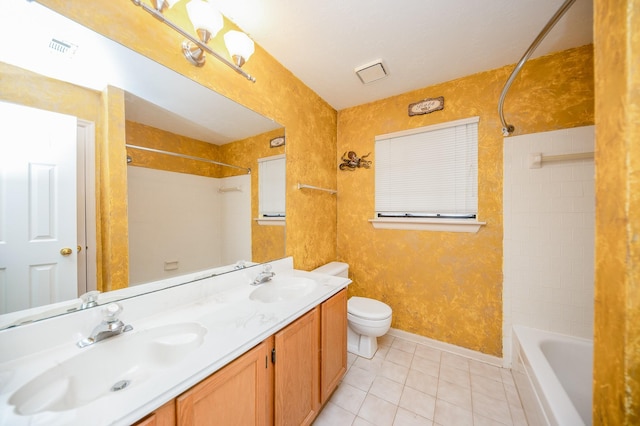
x=549 y=221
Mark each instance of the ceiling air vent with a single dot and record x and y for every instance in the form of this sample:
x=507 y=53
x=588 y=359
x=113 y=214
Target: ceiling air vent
x=63 y=48
x=371 y=72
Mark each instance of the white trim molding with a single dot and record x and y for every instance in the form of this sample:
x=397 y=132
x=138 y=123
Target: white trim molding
x=427 y=224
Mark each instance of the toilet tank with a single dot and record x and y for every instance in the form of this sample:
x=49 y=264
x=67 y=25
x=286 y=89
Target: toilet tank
x=338 y=269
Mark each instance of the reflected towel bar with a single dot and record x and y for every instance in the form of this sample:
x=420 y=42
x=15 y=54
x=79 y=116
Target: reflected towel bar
x=301 y=186
x=188 y=157
x=537 y=159
x=230 y=189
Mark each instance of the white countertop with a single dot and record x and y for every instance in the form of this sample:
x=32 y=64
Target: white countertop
x=221 y=304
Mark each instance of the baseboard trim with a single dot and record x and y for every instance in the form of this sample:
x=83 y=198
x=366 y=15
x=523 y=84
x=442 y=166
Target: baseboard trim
x=447 y=347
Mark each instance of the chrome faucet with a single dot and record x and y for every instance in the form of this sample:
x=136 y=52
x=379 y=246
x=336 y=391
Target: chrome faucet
x=264 y=276
x=109 y=327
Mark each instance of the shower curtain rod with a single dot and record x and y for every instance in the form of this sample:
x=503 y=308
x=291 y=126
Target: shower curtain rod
x=188 y=157
x=508 y=128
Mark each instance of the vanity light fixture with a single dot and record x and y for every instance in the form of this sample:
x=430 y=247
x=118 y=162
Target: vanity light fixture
x=207 y=22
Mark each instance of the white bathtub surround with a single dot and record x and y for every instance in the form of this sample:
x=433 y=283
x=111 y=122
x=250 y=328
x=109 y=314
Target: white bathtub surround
x=549 y=222
x=221 y=304
x=180 y=223
x=553 y=373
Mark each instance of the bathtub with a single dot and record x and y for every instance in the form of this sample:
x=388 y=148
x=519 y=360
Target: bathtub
x=553 y=374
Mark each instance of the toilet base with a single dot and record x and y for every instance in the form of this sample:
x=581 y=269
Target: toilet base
x=361 y=345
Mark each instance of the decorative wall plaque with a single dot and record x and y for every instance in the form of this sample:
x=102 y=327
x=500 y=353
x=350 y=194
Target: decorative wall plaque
x=426 y=106
x=275 y=142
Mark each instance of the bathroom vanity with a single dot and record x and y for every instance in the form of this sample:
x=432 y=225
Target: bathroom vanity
x=217 y=349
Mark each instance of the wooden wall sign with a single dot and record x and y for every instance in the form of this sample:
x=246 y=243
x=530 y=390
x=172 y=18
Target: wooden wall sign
x=426 y=106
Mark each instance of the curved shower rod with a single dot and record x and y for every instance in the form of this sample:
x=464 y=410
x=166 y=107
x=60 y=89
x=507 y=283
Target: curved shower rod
x=508 y=128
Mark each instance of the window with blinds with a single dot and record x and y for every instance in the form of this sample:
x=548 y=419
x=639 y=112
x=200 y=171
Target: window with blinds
x=271 y=185
x=429 y=172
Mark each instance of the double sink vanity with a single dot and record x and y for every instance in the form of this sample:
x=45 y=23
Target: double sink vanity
x=219 y=350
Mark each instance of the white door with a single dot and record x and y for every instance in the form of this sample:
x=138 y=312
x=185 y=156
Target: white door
x=38 y=243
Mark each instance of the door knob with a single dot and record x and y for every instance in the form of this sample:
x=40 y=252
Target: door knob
x=66 y=251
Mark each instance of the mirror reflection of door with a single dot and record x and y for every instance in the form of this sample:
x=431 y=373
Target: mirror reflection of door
x=38 y=250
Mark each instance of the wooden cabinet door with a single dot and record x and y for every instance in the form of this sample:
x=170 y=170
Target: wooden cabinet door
x=163 y=416
x=297 y=371
x=234 y=396
x=333 y=347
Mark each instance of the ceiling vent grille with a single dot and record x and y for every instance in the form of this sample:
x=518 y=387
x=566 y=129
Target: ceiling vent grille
x=371 y=72
x=63 y=48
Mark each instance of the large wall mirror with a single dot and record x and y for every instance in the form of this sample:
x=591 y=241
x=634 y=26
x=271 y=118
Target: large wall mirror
x=188 y=212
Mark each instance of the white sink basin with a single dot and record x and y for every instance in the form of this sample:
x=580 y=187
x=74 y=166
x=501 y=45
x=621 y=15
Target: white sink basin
x=281 y=289
x=112 y=365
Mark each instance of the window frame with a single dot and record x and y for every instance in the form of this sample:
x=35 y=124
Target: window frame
x=431 y=223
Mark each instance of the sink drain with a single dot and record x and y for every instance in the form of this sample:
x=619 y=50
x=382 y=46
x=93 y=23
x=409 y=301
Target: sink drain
x=120 y=385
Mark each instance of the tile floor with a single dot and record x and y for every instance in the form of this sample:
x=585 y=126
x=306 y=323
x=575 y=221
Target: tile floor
x=408 y=384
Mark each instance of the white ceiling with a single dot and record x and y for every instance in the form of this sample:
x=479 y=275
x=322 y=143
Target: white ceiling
x=422 y=42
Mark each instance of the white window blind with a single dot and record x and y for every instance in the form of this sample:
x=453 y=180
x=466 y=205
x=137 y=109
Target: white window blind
x=428 y=172
x=271 y=183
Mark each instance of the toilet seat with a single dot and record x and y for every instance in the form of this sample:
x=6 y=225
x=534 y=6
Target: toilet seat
x=366 y=308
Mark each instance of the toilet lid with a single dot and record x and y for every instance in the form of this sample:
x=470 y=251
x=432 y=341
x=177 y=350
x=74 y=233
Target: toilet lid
x=368 y=308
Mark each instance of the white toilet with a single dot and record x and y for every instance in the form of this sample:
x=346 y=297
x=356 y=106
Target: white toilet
x=368 y=319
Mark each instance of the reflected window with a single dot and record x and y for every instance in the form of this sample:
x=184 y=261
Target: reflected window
x=271 y=183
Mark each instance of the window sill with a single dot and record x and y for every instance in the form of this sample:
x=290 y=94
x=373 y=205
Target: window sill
x=271 y=221
x=423 y=224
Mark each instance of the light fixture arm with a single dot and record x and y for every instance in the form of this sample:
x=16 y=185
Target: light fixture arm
x=159 y=16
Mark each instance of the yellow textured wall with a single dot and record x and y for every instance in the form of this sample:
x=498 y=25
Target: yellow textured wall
x=27 y=88
x=448 y=286
x=309 y=121
x=111 y=156
x=616 y=389
x=150 y=137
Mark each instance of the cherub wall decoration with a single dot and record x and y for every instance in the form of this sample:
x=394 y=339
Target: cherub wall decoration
x=351 y=161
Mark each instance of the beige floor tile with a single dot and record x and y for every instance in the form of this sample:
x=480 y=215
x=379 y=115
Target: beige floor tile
x=407 y=418
x=451 y=414
x=507 y=377
x=374 y=364
x=429 y=353
x=407 y=384
x=482 y=369
x=348 y=397
x=426 y=366
x=399 y=357
x=455 y=394
x=488 y=387
x=359 y=378
x=455 y=376
x=359 y=421
x=418 y=402
x=332 y=415
x=386 y=389
x=491 y=408
x=518 y=417
x=454 y=361
x=512 y=396
x=423 y=382
x=393 y=371
x=377 y=411
x=404 y=345
x=385 y=340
